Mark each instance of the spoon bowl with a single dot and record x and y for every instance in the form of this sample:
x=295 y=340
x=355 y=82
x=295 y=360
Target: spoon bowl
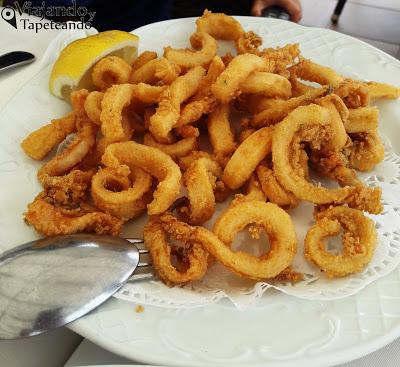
x=48 y=283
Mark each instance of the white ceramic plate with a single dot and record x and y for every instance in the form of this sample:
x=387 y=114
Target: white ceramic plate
x=281 y=330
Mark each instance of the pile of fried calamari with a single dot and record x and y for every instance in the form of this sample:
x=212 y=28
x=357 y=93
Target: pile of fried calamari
x=191 y=122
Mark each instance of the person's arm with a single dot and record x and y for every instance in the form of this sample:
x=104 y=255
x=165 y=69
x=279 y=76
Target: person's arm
x=293 y=7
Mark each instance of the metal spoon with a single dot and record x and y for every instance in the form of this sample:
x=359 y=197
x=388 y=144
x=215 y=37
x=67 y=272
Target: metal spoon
x=48 y=283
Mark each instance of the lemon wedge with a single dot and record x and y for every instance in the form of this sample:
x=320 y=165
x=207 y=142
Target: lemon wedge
x=72 y=69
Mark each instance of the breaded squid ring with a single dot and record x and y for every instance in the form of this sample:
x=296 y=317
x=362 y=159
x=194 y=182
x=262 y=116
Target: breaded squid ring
x=203 y=101
x=154 y=162
x=156 y=70
x=199 y=180
x=143 y=58
x=305 y=117
x=253 y=190
x=110 y=70
x=78 y=99
x=220 y=26
x=267 y=84
x=175 y=150
x=248 y=42
x=114 y=101
x=220 y=133
x=353 y=93
x=74 y=154
x=382 y=90
x=339 y=115
x=40 y=142
x=276 y=222
x=275 y=110
x=104 y=141
x=168 y=110
x=201 y=41
x=52 y=221
x=362 y=120
x=359 y=241
x=155 y=238
x=366 y=151
x=272 y=189
x=114 y=193
x=227 y=85
x=247 y=157
x=313 y=72
x=93 y=106
x=148 y=94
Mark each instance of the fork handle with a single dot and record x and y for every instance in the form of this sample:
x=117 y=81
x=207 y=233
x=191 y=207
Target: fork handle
x=14 y=59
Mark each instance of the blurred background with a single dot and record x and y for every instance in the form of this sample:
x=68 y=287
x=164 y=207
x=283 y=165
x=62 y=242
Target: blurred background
x=374 y=21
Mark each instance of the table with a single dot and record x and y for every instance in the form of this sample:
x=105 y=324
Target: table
x=54 y=348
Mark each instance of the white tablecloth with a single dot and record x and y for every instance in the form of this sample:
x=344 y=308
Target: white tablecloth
x=52 y=349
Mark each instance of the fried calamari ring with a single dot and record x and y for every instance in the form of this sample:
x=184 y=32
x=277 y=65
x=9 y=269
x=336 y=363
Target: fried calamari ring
x=93 y=106
x=248 y=42
x=78 y=99
x=49 y=220
x=120 y=192
x=193 y=255
x=308 y=70
x=220 y=26
x=201 y=41
x=339 y=115
x=220 y=133
x=382 y=90
x=299 y=88
x=143 y=58
x=168 y=110
x=154 y=162
x=40 y=142
x=366 y=151
x=74 y=154
x=353 y=93
x=253 y=190
x=179 y=149
x=280 y=58
x=227 y=85
x=247 y=157
x=335 y=166
x=267 y=84
x=186 y=161
x=67 y=190
x=114 y=101
x=272 y=189
x=359 y=241
x=156 y=70
x=275 y=110
x=110 y=70
x=362 y=120
x=245 y=134
x=105 y=141
x=199 y=180
x=311 y=121
x=274 y=220
x=203 y=101
x=148 y=94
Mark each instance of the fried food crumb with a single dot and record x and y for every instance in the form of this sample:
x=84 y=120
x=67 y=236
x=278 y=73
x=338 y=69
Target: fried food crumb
x=139 y=309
